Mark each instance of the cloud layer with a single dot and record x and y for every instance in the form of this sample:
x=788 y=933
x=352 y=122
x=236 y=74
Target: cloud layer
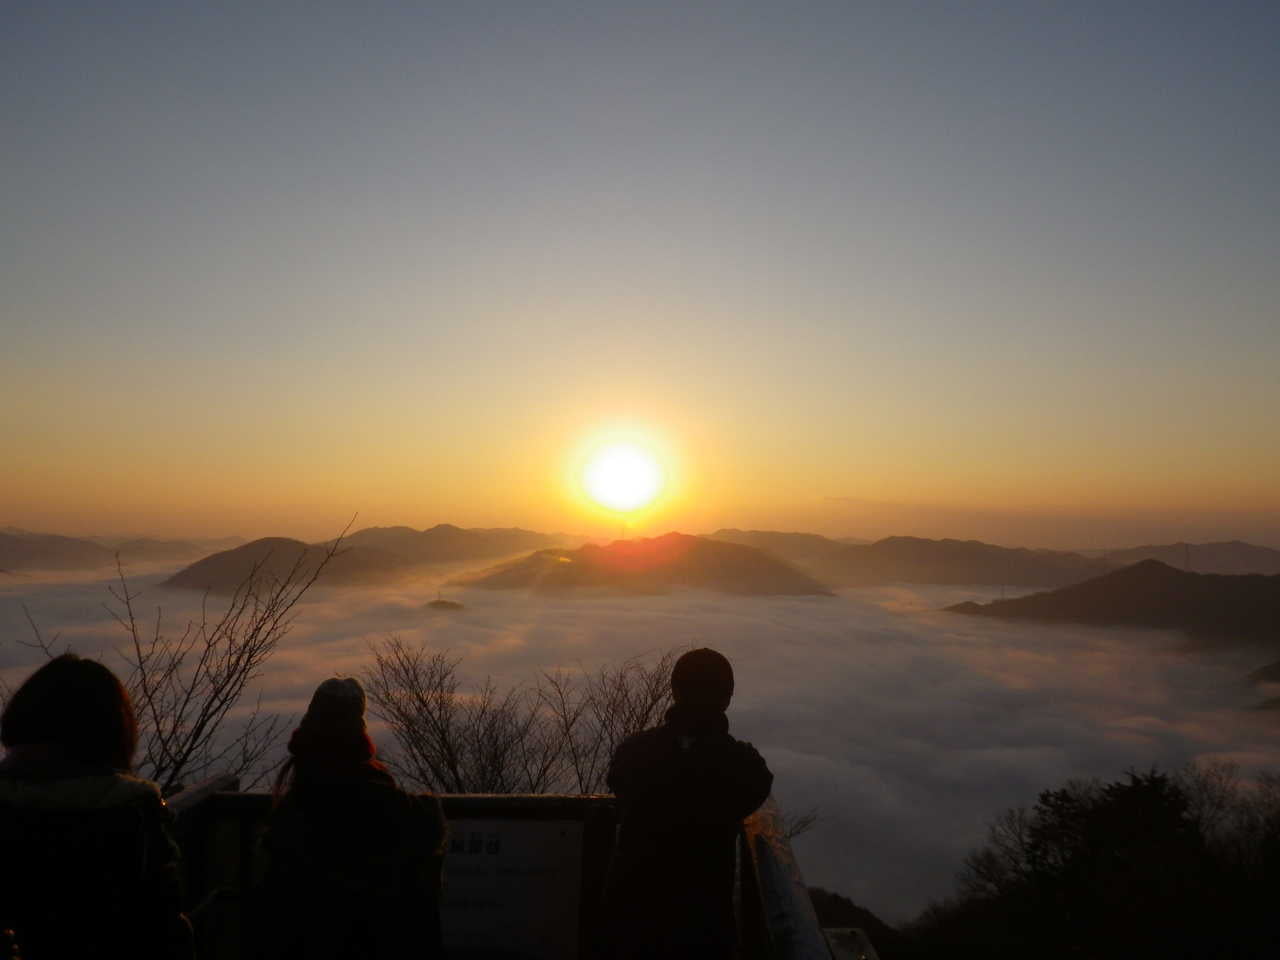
x=907 y=727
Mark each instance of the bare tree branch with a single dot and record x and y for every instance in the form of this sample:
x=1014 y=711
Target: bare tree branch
x=795 y=824
x=558 y=735
x=186 y=687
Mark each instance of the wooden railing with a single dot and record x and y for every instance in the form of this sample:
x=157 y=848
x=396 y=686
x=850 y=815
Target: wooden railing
x=523 y=875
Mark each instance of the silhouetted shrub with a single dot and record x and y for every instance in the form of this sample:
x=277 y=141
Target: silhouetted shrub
x=1154 y=865
x=557 y=735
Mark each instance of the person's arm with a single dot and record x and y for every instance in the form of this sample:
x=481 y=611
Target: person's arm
x=752 y=781
x=623 y=772
x=730 y=781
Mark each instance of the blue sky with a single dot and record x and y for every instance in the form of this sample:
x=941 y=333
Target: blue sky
x=1013 y=255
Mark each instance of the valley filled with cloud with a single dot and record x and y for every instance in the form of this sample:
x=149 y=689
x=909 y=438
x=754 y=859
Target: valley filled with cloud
x=909 y=728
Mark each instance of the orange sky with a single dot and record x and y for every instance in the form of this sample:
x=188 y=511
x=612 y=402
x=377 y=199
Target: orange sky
x=859 y=272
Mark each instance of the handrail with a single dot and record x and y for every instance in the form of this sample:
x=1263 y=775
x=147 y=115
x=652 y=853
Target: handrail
x=218 y=825
x=187 y=799
x=794 y=930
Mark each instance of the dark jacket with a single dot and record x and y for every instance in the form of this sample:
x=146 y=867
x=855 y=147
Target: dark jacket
x=683 y=790
x=90 y=866
x=353 y=870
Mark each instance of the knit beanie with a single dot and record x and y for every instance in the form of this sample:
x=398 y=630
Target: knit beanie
x=702 y=678
x=333 y=729
x=337 y=706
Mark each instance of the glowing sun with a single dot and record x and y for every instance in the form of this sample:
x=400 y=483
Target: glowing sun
x=623 y=477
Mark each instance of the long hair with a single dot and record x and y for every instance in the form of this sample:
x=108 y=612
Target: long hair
x=320 y=756
x=77 y=705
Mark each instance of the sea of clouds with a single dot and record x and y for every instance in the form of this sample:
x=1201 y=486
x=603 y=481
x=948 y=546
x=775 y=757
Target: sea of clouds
x=907 y=727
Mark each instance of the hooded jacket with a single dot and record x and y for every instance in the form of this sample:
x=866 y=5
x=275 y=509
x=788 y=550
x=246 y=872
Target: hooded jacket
x=683 y=791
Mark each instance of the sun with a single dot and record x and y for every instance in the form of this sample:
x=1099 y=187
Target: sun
x=623 y=477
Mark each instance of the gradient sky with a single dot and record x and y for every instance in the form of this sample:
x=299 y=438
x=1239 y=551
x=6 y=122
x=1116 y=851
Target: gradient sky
x=982 y=269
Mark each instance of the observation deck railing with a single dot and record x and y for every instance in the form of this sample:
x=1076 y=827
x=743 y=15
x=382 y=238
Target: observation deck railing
x=523 y=875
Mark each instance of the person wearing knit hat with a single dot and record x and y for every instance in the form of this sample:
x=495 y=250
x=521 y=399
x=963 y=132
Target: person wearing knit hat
x=683 y=790
x=354 y=862
x=332 y=738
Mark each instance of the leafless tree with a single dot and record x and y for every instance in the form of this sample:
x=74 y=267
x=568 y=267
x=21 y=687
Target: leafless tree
x=1002 y=863
x=796 y=824
x=185 y=688
x=591 y=713
x=1239 y=818
x=485 y=741
x=556 y=735
x=37 y=642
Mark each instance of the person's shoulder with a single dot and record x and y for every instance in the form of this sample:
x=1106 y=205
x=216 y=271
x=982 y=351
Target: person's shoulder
x=643 y=739
x=101 y=791
x=745 y=746
x=746 y=750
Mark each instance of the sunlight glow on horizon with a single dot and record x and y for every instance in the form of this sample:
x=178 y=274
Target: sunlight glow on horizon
x=972 y=272
x=623 y=477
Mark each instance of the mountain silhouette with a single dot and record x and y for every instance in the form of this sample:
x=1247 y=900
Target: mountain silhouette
x=276 y=556
x=46 y=551
x=1232 y=556
x=1154 y=594
x=445 y=543
x=917 y=560
x=369 y=556
x=802 y=549
x=147 y=550
x=654 y=565
x=24 y=550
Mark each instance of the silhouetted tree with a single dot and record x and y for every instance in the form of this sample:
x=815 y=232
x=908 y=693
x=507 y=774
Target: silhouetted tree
x=591 y=713
x=556 y=735
x=1156 y=864
x=185 y=687
x=482 y=741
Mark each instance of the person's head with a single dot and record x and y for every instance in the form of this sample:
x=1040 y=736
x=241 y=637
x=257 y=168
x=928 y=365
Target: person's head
x=332 y=740
x=702 y=678
x=78 y=706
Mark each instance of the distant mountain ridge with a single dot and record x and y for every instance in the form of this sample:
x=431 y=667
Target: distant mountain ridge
x=370 y=556
x=24 y=550
x=1232 y=556
x=654 y=565
x=1153 y=594
x=446 y=543
x=274 y=557
x=147 y=550
x=842 y=562
x=47 y=551
x=918 y=560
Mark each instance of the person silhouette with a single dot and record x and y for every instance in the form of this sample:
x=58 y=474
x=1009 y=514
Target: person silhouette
x=683 y=790
x=353 y=862
x=91 y=868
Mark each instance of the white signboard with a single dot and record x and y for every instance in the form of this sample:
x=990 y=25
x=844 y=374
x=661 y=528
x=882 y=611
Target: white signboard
x=513 y=886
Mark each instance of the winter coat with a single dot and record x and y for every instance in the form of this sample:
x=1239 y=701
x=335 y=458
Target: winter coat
x=90 y=865
x=683 y=791
x=353 y=870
